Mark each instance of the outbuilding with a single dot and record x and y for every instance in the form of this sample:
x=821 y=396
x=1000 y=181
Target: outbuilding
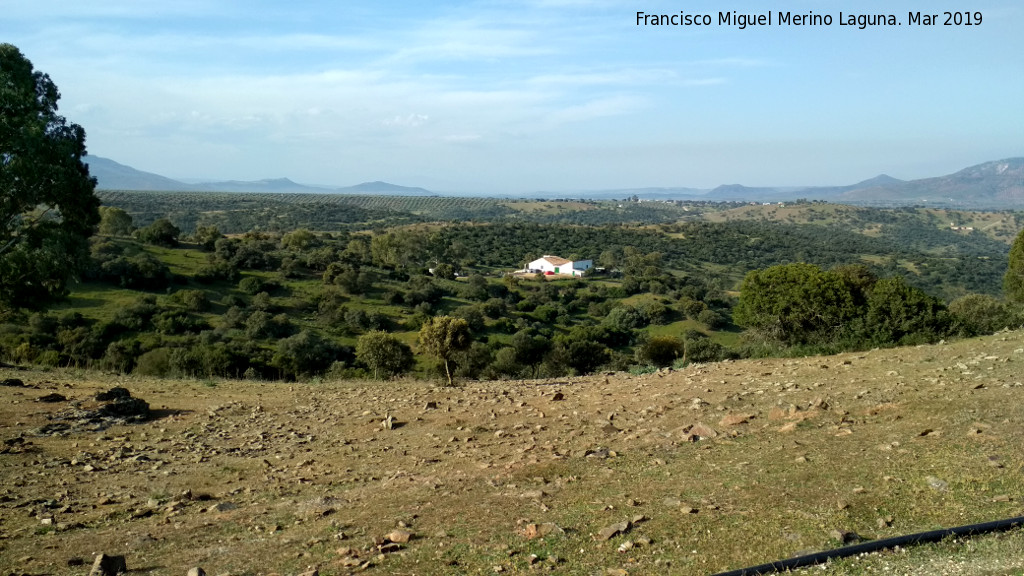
x=557 y=265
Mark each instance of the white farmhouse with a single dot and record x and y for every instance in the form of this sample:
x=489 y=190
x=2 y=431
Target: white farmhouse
x=556 y=265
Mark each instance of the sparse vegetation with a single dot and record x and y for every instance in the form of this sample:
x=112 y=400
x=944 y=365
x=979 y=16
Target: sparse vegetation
x=246 y=476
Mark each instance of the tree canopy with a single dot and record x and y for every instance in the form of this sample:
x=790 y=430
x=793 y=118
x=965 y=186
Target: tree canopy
x=442 y=337
x=48 y=208
x=1013 y=281
x=796 y=303
x=384 y=354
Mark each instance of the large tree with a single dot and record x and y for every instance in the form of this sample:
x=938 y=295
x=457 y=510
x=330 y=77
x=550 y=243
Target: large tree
x=1013 y=282
x=798 y=303
x=47 y=206
x=384 y=354
x=442 y=337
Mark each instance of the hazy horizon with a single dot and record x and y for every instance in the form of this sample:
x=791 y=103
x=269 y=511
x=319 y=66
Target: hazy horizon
x=514 y=97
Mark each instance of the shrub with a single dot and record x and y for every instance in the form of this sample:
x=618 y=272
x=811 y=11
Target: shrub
x=711 y=319
x=976 y=314
x=251 y=285
x=660 y=351
x=121 y=355
x=384 y=354
x=901 y=314
x=154 y=363
x=305 y=354
x=161 y=233
x=194 y=300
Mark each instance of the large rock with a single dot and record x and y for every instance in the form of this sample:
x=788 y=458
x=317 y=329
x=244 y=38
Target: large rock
x=108 y=566
x=118 y=403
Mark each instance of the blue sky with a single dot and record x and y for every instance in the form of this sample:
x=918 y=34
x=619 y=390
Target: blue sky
x=515 y=97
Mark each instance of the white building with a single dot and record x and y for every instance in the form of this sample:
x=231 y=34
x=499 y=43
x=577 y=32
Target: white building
x=556 y=265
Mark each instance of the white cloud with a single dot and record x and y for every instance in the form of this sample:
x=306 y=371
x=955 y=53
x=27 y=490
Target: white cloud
x=409 y=120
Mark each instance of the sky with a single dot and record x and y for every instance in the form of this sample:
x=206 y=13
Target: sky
x=501 y=97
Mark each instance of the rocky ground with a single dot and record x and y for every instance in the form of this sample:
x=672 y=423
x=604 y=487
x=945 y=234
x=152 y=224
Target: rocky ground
x=711 y=468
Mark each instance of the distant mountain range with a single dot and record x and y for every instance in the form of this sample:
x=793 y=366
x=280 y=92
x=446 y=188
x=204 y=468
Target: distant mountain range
x=993 y=185
x=111 y=175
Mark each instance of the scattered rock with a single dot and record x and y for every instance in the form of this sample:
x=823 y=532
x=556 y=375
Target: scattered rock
x=105 y=565
x=196 y=571
x=223 y=507
x=388 y=423
x=115 y=406
x=610 y=532
x=534 y=531
x=937 y=483
x=52 y=398
x=399 y=536
x=790 y=427
x=558 y=396
x=736 y=419
x=846 y=537
x=699 y=432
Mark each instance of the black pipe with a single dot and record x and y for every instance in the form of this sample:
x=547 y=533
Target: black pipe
x=875 y=546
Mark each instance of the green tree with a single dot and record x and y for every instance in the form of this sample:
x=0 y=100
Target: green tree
x=900 y=314
x=115 y=221
x=305 y=354
x=299 y=240
x=797 y=303
x=48 y=208
x=207 y=236
x=1013 y=281
x=161 y=233
x=660 y=351
x=384 y=354
x=976 y=314
x=444 y=336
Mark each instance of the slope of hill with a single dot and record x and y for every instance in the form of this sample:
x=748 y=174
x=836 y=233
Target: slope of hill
x=714 y=467
x=111 y=175
x=992 y=184
x=271 y=185
x=379 y=187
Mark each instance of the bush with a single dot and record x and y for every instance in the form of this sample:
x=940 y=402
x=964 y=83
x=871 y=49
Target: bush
x=473 y=317
x=977 y=314
x=713 y=320
x=137 y=314
x=901 y=314
x=384 y=354
x=161 y=233
x=194 y=300
x=700 y=350
x=660 y=351
x=251 y=285
x=625 y=317
x=121 y=355
x=154 y=363
x=304 y=355
x=178 y=322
